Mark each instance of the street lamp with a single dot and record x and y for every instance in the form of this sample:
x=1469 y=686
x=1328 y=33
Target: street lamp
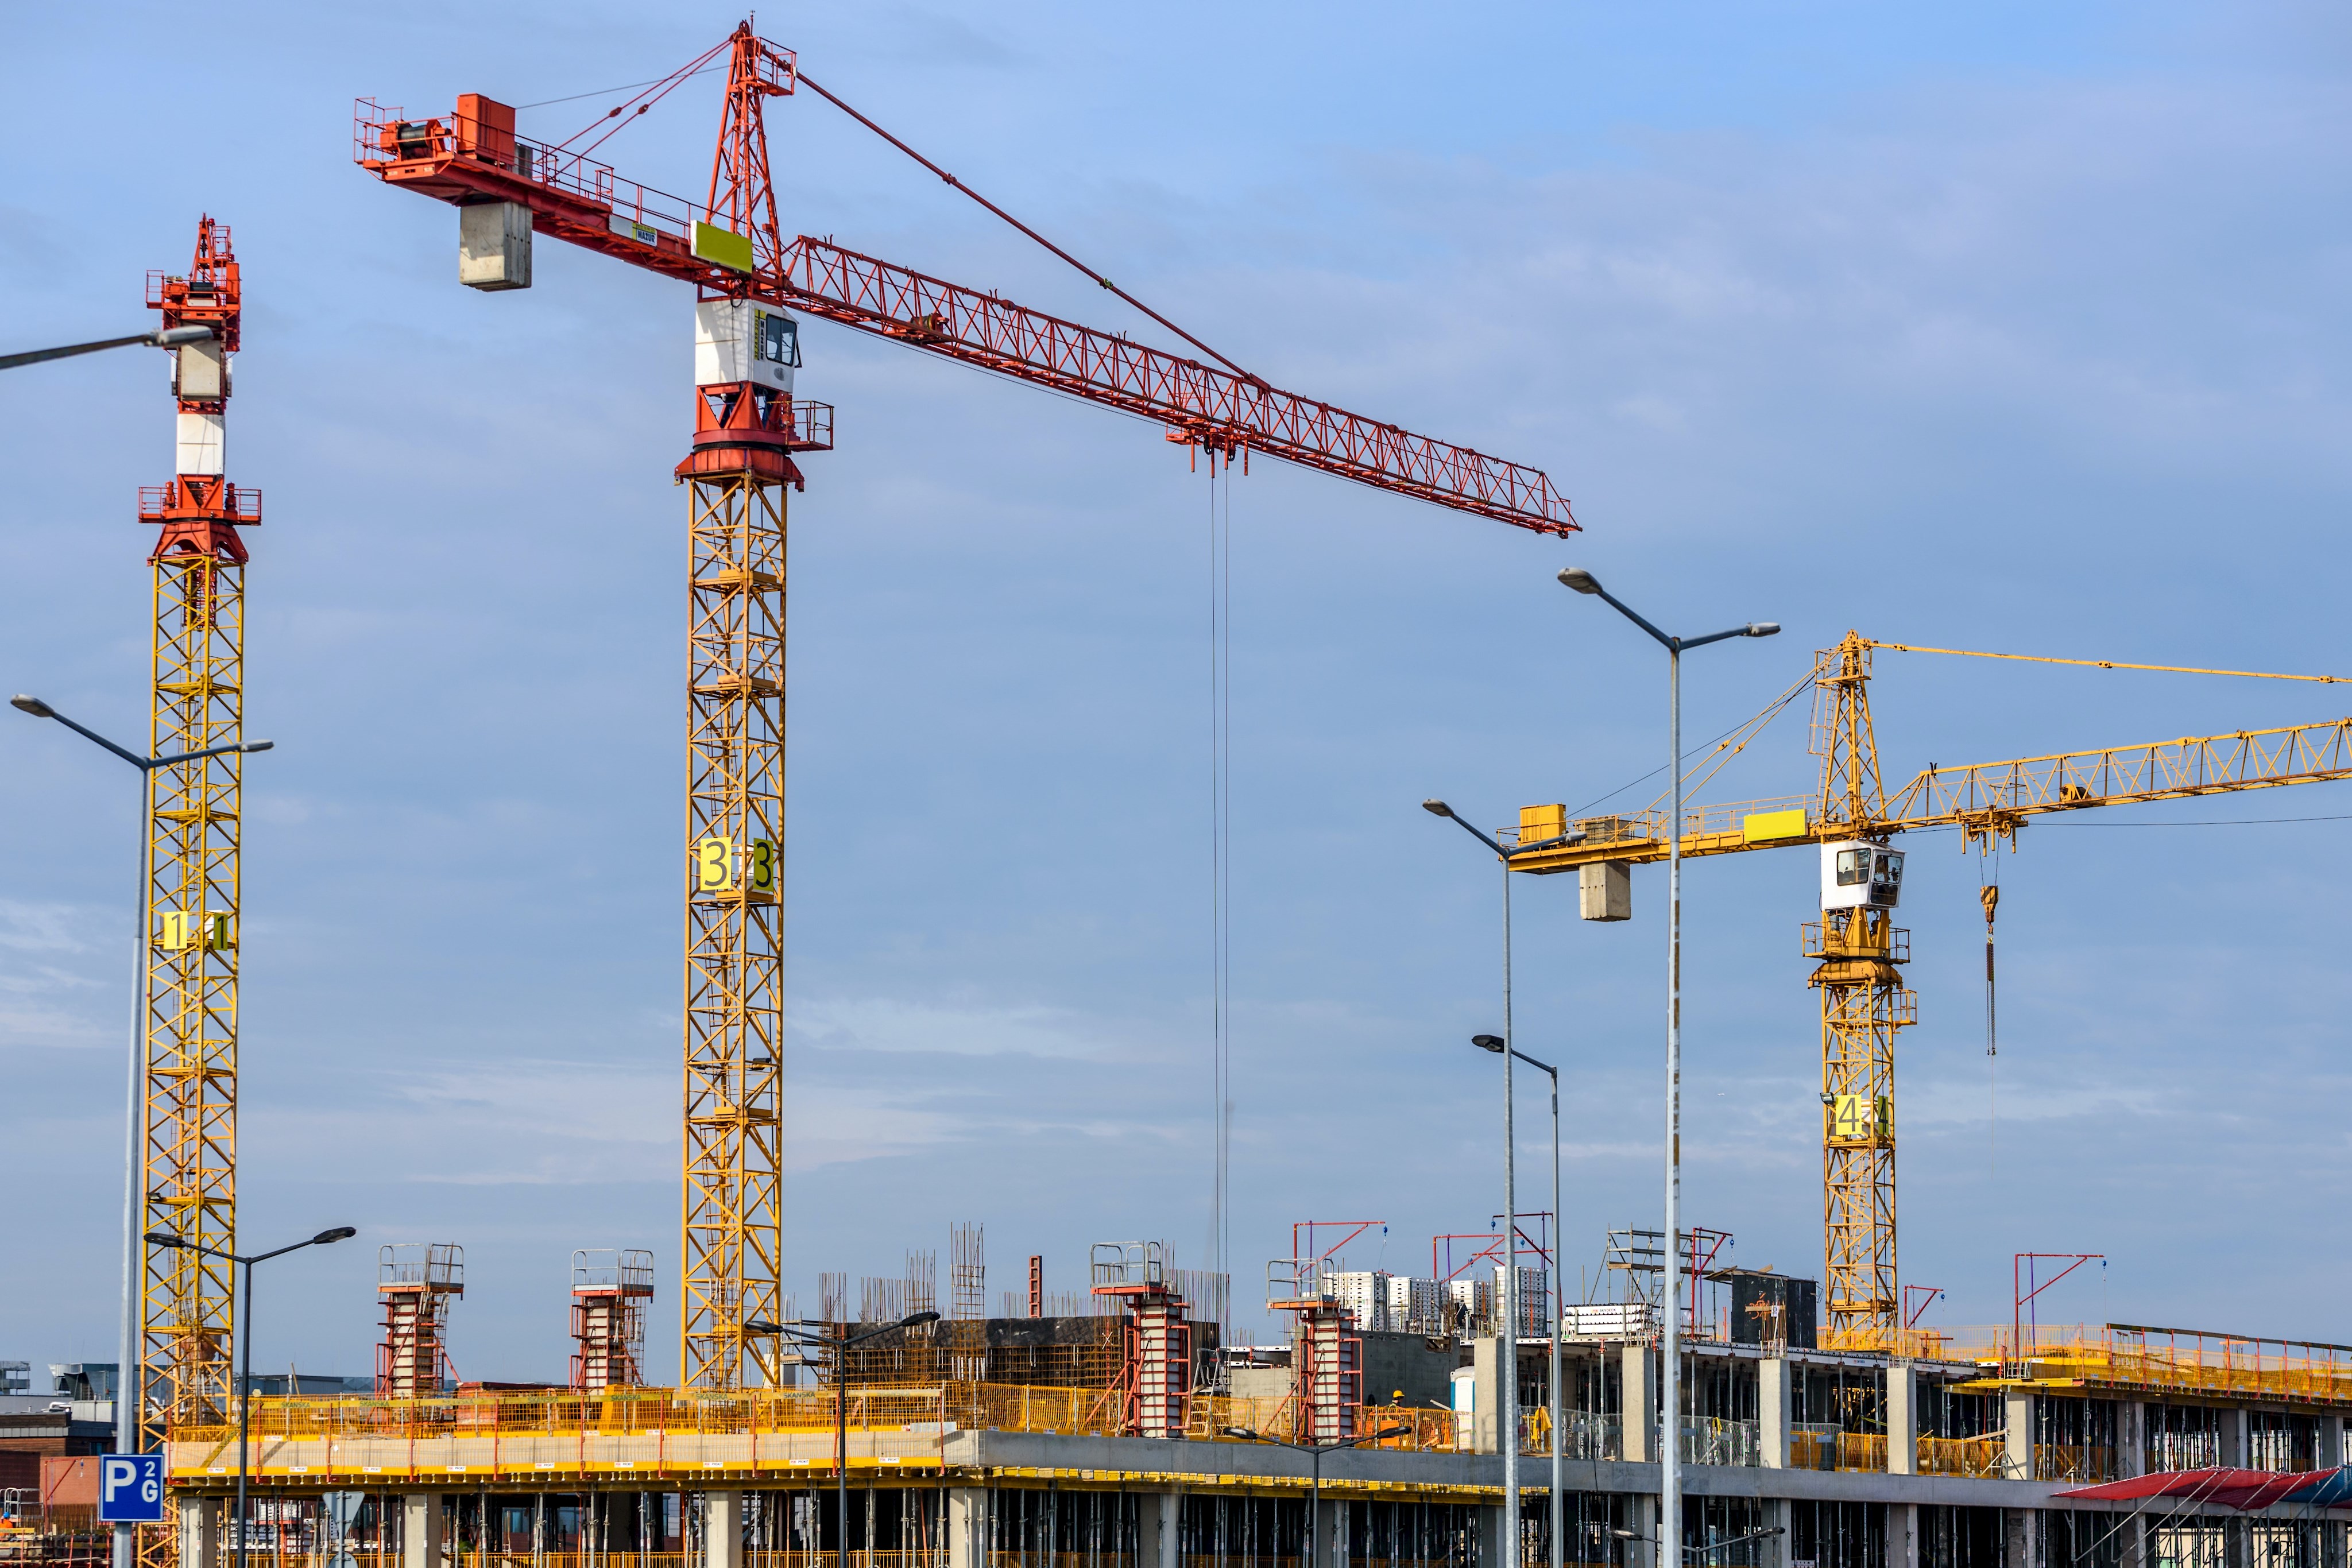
x=1670 y=1450
x=1314 y=1452
x=166 y=338
x=802 y=1334
x=1507 y=1419
x=1495 y=1044
x=245 y=1343
x=126 y=1392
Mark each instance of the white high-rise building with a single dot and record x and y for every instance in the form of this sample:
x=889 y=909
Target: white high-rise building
x=1365 y=1294
x=1416 y=1306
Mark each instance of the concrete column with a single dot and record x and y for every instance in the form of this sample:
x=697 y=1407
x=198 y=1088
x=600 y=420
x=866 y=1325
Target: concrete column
x=1776 y=1548
x=1486 y=1395
x=1772 y=1410
x=420 y=1530
x=722 y=1530
x=1492 y=1550
x=200 y=1522
x=1644 y=1554
x=2017 y=1415
x=1902 y=1428
x=967 y=1529
x=2233 y=1439
x=2131 y=1440
x=1158 y=1517
x=1638 y=1414
x=2021 y=1525
x=1902 y=1532
x=2331 y=1441
x=2131 y=1538
x=1330 y=1539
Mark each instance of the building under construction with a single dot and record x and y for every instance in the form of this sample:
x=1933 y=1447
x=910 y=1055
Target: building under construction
x=1127 y=1434
x=1817 y=1424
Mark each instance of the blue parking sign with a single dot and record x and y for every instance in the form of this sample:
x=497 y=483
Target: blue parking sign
x=131 y=1488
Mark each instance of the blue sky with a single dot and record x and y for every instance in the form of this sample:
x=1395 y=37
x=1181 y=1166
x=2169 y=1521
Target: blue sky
x=2016 y=328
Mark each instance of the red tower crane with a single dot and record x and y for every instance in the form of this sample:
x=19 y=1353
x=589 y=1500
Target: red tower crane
x=748 y=430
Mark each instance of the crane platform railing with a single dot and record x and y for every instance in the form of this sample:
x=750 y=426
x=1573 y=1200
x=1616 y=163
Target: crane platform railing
x=2138 y=1358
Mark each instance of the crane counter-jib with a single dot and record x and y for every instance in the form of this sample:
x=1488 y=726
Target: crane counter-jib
x=472 y=157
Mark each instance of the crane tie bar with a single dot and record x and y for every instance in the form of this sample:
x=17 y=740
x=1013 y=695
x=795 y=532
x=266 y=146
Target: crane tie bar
x=832 y=98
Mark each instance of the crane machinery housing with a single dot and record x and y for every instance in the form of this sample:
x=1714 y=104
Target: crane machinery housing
x=748 y=428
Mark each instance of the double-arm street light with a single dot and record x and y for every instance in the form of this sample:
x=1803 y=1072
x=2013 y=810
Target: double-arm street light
x=244 y=1343
x=837 y=1338
x=1704 y=1552
x=1507 y=1419
x=1669 y=1448
x=1495 y=1044
x=127 y=1393
x=1314 y=1452
x=165 y=338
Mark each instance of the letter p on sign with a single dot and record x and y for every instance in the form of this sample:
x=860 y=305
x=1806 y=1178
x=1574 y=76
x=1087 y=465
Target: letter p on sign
x=131 y=1488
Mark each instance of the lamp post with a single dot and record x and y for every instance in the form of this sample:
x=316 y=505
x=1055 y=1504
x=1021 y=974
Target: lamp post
x=127 y=1392
x=244 y=1340
x=1493 y=1043
x=1670 y=1448
x=1507 y=1419
x=164 y=338
x=840 y=1341
x=1314 y=1452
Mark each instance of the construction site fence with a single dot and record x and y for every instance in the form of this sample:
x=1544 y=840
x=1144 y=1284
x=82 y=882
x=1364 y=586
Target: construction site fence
x=934 y=1409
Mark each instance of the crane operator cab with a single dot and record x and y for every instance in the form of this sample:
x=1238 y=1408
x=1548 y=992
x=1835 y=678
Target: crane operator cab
x=1861 y=876
x=738 y=341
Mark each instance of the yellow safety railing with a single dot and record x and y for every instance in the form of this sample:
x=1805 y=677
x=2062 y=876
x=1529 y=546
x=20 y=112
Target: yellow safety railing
x=931 y=1409
x=2078 y=1462
x=1978 y=1457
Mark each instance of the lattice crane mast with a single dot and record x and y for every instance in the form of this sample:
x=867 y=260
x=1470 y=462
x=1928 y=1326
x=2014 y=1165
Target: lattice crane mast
x=748 y=430
x=1864 y=1002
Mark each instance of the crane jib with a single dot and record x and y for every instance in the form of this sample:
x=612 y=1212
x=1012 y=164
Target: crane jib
x=586 y=204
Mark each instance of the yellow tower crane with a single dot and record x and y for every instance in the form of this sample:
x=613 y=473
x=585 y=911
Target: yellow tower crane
x=195 y=886
x=1864 y=1002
